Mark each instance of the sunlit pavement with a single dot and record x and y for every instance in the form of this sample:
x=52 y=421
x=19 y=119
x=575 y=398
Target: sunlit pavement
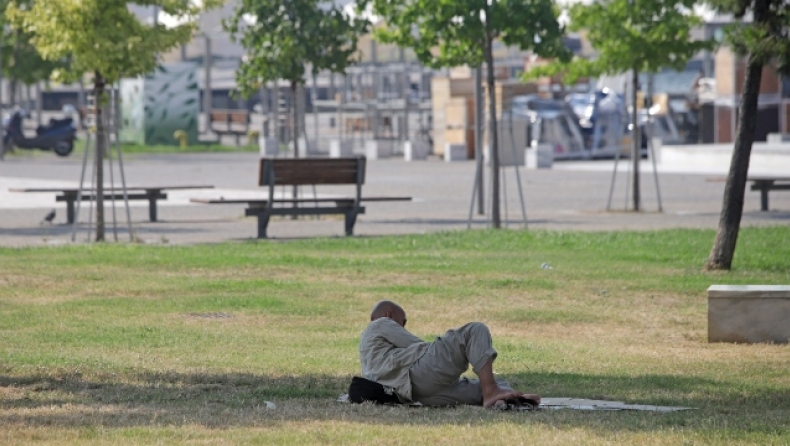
x=570 y=196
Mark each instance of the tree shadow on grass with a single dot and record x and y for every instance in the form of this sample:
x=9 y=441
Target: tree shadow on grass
x=217 y=400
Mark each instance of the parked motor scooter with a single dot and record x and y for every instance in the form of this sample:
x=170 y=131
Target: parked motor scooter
x=59 y=135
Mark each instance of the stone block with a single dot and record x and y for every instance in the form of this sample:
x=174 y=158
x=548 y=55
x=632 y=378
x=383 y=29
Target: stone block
x=512 y=140
x=749 y=313
x=268 y=146
x=454 y=152
x=375 y=149
x=340 y=148
x=414 y=150
x=540 y=157
x=777 y=138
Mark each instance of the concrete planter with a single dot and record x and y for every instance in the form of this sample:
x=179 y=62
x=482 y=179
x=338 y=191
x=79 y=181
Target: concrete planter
x=540 y=157
x=375 y=149
x=268 y=146
x=340 y=148
x=414 y=151
x=749 y=313
x=454 y=152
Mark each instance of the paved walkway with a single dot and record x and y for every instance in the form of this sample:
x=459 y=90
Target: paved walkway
x=571 y=196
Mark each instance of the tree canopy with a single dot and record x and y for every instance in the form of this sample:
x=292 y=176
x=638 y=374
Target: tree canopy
x=102 y=36
x=766 y=37
x=284 y=37
x=641 y=35
x=453 y=33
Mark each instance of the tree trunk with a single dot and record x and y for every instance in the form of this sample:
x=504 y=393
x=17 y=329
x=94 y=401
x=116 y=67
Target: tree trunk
x=732 y=204
x=493 y=143
x=98 y=93
x=636 y=140
x=723 y=250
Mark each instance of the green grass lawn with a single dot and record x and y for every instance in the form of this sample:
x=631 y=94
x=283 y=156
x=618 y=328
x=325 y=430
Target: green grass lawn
x=137 y=149
x=134 y=344
x=192 y=148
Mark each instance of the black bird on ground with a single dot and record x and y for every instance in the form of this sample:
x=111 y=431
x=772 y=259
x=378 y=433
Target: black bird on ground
x=49 y=217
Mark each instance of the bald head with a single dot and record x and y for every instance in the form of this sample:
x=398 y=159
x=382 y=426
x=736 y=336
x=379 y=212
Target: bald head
x=387 y=308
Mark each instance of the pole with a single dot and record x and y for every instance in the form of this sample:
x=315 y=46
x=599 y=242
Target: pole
x=479 y=117
x=117 y=113
x=82 y=181
x=614 y=178
x=39 y=105
x=635 y=140
x=81 y=98
x=2 y=133
x=655 y=169
x=314 y=99
x=515 y=162
x=207 y=84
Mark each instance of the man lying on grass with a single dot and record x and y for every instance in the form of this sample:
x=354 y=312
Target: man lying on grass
x=430 y=372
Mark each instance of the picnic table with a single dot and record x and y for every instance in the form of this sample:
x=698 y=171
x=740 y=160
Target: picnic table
x=71 y=194
x=764 y=184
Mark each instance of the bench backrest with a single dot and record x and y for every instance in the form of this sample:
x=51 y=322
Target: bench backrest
x=230 y=116
x=239 y=117
x=308 y=171
x=218 y=116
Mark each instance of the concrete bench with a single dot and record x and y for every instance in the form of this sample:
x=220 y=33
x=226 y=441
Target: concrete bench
x=72 y=194
x=749 y=313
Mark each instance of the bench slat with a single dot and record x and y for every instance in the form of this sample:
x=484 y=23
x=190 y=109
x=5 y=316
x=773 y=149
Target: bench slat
x=260 y=201
x=305 y=171
x=115 y=196
x=254 y=212
x=66 y=190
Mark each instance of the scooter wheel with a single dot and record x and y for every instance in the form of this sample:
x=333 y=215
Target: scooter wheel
x=64 y=148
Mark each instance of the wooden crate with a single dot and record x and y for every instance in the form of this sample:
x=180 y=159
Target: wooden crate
x=443 y=89
x=504 y=91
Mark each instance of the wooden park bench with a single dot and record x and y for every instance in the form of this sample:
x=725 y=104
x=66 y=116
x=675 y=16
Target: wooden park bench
x=71 y=194
x=230 y=122
x=764 y=184
x=307 y=172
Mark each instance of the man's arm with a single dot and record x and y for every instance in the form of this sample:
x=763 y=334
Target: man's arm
x=396 y=335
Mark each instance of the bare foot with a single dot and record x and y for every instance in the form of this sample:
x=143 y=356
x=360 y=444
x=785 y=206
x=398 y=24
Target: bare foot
x=490 y=398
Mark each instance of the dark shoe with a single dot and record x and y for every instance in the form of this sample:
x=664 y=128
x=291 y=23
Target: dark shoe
x=520 y=403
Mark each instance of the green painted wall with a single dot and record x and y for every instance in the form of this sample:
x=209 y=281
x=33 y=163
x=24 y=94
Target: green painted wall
x=154 y=107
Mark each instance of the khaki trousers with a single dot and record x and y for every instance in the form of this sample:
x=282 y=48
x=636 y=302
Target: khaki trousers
x=435 y=376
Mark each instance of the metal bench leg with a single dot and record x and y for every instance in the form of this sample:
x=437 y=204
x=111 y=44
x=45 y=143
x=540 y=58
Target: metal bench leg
x=152 y=208
x=263 y=222
x=764 y=199
x=70 y=211
x=351 y=219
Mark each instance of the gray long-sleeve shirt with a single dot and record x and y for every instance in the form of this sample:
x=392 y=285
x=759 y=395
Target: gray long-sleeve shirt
x=386 y=351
